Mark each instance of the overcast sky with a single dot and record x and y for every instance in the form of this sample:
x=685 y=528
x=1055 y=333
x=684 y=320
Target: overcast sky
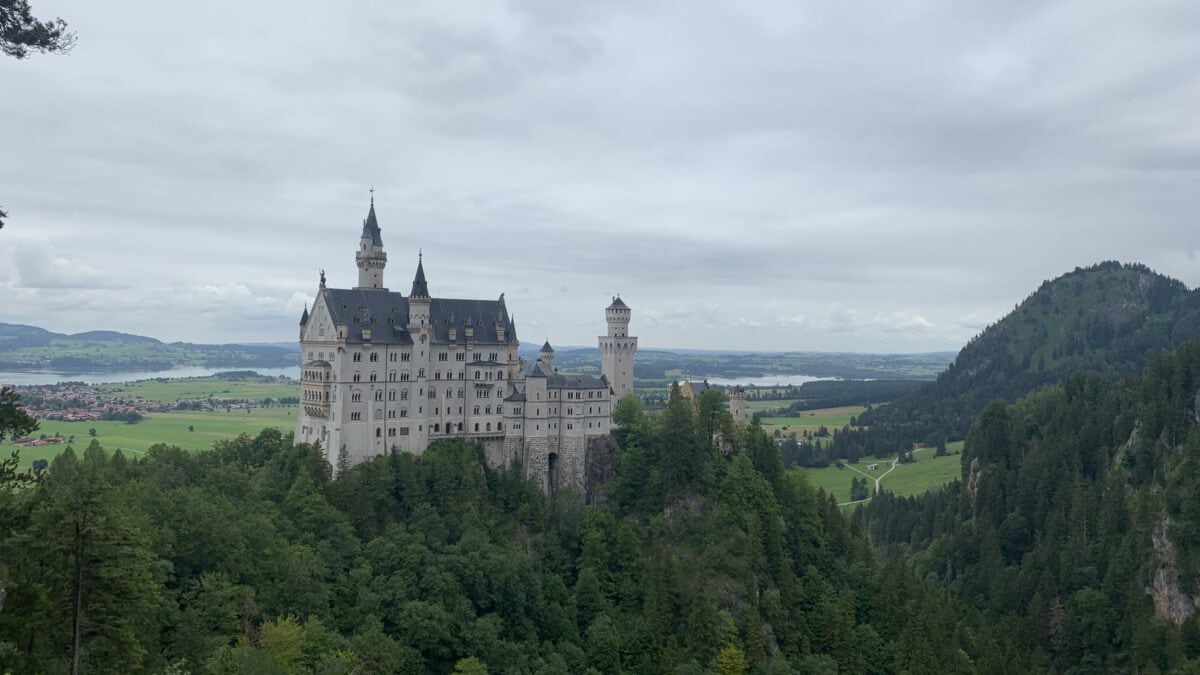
x=849 y=176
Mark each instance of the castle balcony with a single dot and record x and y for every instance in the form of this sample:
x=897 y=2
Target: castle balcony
x=316 y=383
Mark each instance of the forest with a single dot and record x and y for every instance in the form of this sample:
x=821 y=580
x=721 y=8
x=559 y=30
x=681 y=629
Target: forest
x=1075 y=531
x=250 y=559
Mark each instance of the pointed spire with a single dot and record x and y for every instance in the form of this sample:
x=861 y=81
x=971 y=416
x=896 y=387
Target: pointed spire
x=547 y=348
x=304 y=316
x=420 y=289
x=371 y=225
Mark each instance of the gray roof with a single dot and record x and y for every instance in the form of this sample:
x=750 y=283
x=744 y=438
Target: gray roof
x=318 y=363
x=537 y=369
x=575 y=382
x=515 y=397
x=618 y=303
x=371 y=227
x=547 y=348
x=420 y=288
x=386 y=314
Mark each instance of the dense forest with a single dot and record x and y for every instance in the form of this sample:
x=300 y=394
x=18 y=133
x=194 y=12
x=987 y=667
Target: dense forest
x=251 y=559
x=1075 y=531
x=1107 y=318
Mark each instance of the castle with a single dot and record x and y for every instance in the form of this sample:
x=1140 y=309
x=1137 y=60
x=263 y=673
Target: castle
x=382 y=372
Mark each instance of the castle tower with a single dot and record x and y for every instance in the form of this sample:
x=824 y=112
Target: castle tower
x=617 y=349
x=370 y=257
x=546 y=356
x=737 y=404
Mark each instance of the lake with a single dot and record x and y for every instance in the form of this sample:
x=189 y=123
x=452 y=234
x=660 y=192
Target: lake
x=766 y=380
x=44 y=377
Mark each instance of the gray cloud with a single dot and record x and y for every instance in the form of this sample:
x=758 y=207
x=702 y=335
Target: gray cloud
x=748 y=175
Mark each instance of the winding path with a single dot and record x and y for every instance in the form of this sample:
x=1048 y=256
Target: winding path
x=878 y=480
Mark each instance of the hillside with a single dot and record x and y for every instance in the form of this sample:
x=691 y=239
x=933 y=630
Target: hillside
x=32 y=348
x=1108 y=318
x=658 y=367
x=1076 y=529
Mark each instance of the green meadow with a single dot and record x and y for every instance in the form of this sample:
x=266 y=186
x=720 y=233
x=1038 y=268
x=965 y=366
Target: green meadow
x=928 y=472
x=170 y=428
x=198 y=388
x=811 y=420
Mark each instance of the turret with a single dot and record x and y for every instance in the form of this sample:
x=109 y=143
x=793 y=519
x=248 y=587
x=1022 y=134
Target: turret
x=546 y=356
x=618 y=349
x=419 y=300
x=370 y=257
x=618 y=315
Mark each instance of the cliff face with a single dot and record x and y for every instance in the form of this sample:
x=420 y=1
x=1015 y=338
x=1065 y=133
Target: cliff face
x=1171 y=602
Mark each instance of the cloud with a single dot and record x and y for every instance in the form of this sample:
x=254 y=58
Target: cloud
x=845 y=176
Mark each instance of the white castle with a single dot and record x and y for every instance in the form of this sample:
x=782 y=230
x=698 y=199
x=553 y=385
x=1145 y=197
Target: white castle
x=384 y=372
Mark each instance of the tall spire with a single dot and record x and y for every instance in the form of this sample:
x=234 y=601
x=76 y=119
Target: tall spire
x=420 y=289
x=371 y=225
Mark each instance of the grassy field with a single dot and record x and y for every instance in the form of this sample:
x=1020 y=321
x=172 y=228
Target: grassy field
x=204 y=387
x=170 y=428
x=811 y=420
x=754 y=406
x=927 y=473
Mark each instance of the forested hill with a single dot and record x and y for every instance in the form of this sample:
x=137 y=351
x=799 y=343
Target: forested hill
x=1076 y=529
x=25 y=348
x=1107 y=318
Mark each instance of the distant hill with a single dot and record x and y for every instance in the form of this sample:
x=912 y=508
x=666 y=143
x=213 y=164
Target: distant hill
x=1108 y=318
x=657 y=367
x=33 y=348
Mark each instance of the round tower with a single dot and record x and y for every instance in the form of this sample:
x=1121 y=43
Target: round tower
x=370 y=257
x=618 y=349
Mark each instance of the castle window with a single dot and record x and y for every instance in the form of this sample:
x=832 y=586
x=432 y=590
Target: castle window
x=391 y=432
x=373 y=376
x=403 y=394
x=379 y=395
x=489 y=426
x=391 y=414
x=460 y=392
x=436 y=427
x=460 y=356
x=357 y=377
x=403 y=431
x=404 y=412
x=500 y=375
x=476 y=410
x=392 y=395
x=378 y=414
x=488 y=375
x=420 y=372
x=374 y=356
x=499 y=410
x=406 y=356
x=477 y=426
x=392 y=376
x=378 y=433
x=392 y=356
x=488 y=410
x=492 y=356
x=355 y=415
x=404 y=376
x=355 y=397
x=476 y=357
x=477 y=374
x=442 y=356
x=357 y=356
x=499 y=426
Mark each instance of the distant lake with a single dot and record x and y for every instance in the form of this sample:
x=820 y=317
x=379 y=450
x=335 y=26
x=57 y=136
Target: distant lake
x=767 y=380
x=106 y=377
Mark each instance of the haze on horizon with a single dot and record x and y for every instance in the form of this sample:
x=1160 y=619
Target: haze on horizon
x=854 y=177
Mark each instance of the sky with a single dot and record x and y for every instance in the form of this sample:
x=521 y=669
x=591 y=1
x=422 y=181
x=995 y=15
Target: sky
x=850 y=176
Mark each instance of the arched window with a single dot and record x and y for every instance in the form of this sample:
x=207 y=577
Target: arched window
x=403 y=394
